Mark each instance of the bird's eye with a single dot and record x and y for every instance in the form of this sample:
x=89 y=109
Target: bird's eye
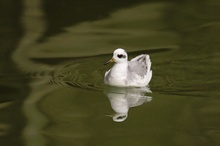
x=121 y=56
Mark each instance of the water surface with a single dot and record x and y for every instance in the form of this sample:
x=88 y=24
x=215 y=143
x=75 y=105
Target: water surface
x=51 y=77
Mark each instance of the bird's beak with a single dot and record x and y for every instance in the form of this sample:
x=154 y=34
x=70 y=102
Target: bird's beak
x=111 y=60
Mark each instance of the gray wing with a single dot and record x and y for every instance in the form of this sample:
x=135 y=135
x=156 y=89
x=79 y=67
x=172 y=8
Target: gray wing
x=140 y=65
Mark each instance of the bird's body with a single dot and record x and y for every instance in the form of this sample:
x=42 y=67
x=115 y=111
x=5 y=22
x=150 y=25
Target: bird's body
x=124 y=73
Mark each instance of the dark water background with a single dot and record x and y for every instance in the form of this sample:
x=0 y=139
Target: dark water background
x=51 y=73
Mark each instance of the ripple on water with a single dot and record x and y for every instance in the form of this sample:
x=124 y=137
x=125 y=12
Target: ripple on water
x=84 y=74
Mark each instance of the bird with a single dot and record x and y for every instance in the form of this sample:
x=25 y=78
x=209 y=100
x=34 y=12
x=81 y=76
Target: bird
x=134 y=73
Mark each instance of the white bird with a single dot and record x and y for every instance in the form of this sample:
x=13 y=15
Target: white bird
x=124 y=73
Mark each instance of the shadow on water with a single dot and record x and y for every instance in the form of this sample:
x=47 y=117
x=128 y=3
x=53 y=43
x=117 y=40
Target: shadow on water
x=13 y=86
x=52 y=53
x=69 y=13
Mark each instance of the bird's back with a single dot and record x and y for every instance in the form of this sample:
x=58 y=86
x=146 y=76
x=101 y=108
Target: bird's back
x=140 y=69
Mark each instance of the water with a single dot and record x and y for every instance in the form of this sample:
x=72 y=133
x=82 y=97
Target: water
x=51 y=77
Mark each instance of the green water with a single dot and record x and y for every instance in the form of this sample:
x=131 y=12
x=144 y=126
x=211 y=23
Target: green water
x=51 y=73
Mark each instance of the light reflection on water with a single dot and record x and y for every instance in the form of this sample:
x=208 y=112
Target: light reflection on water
x=62 y=100
x=122 y=99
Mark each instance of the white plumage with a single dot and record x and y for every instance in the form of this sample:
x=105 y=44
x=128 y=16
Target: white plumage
x=136 y=72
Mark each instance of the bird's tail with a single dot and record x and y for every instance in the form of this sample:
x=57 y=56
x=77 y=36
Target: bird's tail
x=149 y=71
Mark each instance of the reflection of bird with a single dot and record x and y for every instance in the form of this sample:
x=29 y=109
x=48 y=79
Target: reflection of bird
x=136 y=72
x=121 y=99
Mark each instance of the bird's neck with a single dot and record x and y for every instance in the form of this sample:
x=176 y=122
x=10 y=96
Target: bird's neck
x=120 y=69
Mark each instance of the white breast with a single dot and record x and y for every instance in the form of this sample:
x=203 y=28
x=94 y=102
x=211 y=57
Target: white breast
x=117 y=75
